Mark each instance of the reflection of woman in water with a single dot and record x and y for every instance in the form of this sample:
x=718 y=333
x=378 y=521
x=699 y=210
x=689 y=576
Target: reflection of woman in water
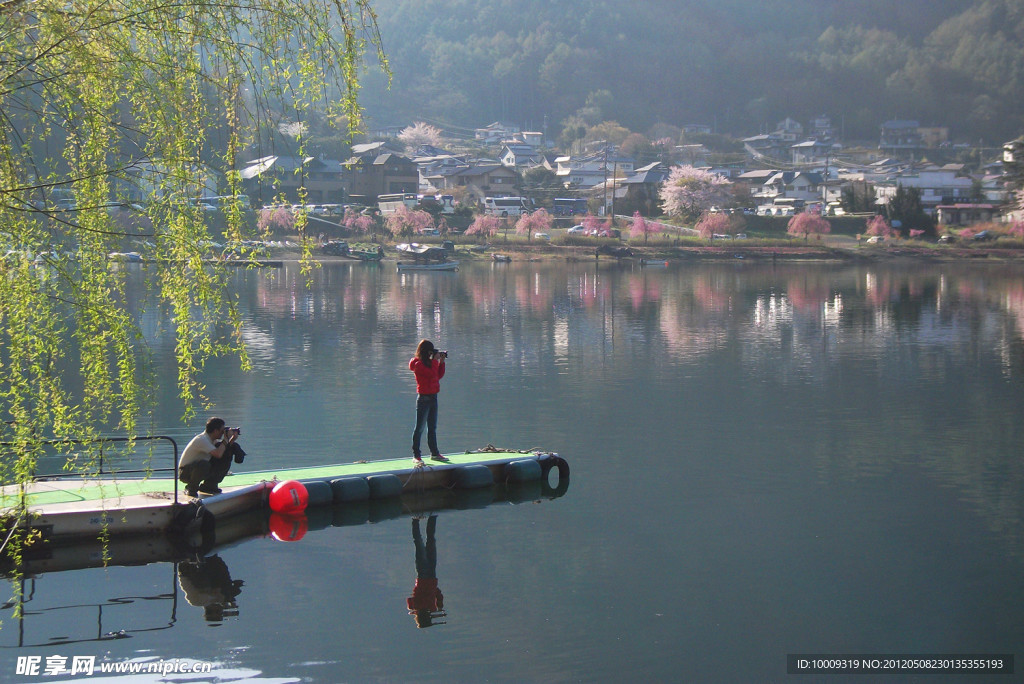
x=426 y=603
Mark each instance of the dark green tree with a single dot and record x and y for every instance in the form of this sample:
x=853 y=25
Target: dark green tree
x=906 y=208
x=858 y=198
x=542 y=185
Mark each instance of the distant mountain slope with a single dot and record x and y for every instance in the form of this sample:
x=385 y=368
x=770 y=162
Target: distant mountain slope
x=734 y=64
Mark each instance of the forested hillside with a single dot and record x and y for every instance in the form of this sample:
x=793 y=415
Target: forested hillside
x=740 y=66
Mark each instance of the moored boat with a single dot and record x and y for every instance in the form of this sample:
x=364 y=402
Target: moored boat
x=366 y=254
x=425 y=258
x=503 y=258
x=428 y=266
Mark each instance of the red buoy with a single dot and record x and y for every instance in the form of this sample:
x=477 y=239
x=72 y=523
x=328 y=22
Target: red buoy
x=288 y=528
x=289 y=497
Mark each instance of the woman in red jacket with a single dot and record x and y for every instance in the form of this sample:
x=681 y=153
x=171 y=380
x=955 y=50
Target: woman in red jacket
x=428 y=367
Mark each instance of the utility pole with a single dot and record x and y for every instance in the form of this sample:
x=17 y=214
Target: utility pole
x=824 y=185
x=606 y=177
x=615 y=174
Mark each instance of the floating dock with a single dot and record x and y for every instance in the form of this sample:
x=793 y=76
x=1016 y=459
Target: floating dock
x=74 y=509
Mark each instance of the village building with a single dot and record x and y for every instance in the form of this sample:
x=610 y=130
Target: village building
x=495 y=132
x=938 y=185
x=375 y=169
x=966 y=213
x=586 y=171
x=696 y=129
x=642 y=190
x=268 y=179
x=900 y=138
x=520 y=155
x=478 y=180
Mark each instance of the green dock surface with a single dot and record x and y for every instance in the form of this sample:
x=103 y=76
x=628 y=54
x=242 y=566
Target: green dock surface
x=72 y=490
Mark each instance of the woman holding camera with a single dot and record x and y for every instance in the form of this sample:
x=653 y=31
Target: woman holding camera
x=428 y=367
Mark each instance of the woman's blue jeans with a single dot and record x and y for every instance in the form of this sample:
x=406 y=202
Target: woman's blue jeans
x=426 y=416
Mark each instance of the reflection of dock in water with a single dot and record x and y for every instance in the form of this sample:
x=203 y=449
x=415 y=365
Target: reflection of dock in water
x=57 y=557
x=203 y=568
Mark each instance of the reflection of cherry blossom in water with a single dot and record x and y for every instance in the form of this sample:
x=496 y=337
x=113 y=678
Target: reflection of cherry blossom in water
x=708 y=296
x=808 y=294
x=642 y=290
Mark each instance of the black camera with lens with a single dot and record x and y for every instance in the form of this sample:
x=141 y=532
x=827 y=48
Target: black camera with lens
x=443 y=353
x=233 y=430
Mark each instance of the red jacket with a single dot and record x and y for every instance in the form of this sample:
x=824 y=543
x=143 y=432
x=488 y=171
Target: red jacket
x=426 y=596
x=428 y=376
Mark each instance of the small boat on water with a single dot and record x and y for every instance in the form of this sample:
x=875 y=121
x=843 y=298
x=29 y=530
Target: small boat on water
x=428 y=266
x=425 y=258
x=366 y=254
x=503 y=258
x=653 y=262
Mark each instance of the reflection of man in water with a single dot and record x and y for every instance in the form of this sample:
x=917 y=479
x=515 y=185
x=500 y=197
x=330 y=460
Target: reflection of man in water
x=207 y=583
x=426 y=603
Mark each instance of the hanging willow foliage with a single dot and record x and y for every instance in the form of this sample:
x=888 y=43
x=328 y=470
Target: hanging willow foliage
x=99 y=97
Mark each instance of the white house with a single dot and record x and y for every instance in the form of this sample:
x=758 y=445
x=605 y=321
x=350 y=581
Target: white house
x=938 y=185
x=789 y=130
x=519 y=156
x=495 y=132
x=589 y=170
x=802 y=185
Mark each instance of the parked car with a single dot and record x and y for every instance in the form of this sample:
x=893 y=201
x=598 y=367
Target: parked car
x=576 y=230
x=983 y=236
x=947 y=239
x=542 y=236
x=875 y=239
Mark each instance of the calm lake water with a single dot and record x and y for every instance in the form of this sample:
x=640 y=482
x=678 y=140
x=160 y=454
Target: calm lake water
x=766 y=460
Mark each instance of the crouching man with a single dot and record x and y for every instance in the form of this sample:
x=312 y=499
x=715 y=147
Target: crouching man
x=207 y=458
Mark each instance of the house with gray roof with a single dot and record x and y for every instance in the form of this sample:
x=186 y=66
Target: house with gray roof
x=641 y=191
x=375 y=170
x=268 y=178
x=479 y=179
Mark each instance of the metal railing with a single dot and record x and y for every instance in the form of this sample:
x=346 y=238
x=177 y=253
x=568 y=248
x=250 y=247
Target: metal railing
x=109 y=440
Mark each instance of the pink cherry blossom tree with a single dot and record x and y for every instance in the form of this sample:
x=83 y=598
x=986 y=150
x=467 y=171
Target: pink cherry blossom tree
x=642 y=227
x=275 y=218
x=406 y=222
x=358 y=223
x=711 y=225
x=877 y=225
x=539 y=221
x=807 y=223
x=689 y=191
x=591 y=224
x=484 y=226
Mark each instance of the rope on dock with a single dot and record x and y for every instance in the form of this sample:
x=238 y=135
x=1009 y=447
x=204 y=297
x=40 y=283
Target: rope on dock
x=491 y=449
